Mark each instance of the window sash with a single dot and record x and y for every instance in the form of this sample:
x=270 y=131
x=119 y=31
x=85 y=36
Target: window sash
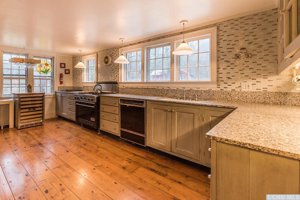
x=14 y=75
x=137 y=63
x=42 y=78
x=200 y=68
x=160 y=70
x=89 y=74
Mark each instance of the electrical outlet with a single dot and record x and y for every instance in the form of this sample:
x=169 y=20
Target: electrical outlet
x=246 y=86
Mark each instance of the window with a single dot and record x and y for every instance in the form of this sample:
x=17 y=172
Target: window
x=152 y=63
x=89 y=74
x=159 y=63
x=43 y=82
x=195 y=67
x=14 y=75
x=133 y=70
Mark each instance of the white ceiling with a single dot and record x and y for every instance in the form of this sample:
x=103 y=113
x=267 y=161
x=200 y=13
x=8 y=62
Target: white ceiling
x=65 y=26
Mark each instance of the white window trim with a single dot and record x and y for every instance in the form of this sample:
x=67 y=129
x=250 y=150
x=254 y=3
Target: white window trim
x=84 y=60
x=123 y=67
x=172 y=83
x=146 y=54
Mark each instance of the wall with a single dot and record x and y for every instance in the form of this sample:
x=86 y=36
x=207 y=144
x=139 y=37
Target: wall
x=253 y=79
x=105 y=72
x=58 y=58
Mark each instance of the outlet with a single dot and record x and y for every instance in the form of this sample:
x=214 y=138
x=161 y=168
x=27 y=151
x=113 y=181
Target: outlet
x=245 y=86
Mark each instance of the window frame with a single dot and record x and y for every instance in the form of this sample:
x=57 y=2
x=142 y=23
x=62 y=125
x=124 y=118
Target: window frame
x=84 y=74
x=212 y=31
x=12 y=77
x=147 y=58
x=212 y=60
x=40 y=77
x=124 y=67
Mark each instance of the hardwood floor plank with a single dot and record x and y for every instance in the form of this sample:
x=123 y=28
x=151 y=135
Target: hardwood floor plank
x=64 y=161
x=5 y=192
x=169 y=186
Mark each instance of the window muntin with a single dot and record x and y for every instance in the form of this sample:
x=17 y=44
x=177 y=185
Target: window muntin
x=14 y=75
x=44 y=82
x=133 y=70
x=196 y=67
x=159 y=63
x=90 y=70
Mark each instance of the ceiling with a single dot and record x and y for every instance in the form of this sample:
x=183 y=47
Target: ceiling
x=64 y=26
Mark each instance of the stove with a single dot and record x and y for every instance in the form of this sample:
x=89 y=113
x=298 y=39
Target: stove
x=87 y=110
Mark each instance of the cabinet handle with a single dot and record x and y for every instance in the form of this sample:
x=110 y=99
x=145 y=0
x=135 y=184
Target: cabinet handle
x=209 y=176
x=209 y=149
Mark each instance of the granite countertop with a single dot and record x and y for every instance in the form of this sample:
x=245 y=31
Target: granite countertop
x=268 y=128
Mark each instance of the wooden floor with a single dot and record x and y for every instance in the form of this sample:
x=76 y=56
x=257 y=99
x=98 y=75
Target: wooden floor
x=64 y=161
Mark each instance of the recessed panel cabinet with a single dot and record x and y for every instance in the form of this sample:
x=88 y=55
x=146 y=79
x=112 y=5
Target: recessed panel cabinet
x=240 y=173
x=159 y=126
x=180 y=129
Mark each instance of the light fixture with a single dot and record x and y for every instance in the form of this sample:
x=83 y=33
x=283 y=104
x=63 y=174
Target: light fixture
x=121 y=59
x=80 y=64
x=183 y=48
x=27 y=61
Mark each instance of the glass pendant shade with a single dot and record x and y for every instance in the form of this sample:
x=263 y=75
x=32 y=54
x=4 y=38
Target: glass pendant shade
x=183 y=49
x=121 y=60
x=80 y=65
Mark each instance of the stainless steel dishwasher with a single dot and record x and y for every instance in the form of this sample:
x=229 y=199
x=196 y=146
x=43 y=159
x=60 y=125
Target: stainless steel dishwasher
x=133 y=120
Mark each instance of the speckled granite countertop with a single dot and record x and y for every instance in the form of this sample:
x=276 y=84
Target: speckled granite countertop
x=268 y=128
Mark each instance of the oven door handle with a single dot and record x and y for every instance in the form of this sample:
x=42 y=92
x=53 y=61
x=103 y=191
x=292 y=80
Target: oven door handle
x=132 y=105
x=79 y=104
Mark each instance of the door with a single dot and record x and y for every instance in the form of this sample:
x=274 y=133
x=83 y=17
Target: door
x=159 y=126
x=186 y=131
x=210 y=118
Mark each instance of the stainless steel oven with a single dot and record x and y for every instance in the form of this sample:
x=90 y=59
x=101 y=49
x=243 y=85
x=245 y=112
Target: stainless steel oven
x=133 y=120
x=87 y=110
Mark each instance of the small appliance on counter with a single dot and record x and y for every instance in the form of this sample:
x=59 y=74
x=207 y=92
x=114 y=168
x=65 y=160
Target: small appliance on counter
x=106 y=87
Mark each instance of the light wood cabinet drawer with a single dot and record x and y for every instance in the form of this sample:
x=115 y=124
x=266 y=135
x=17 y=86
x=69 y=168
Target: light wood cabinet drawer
x=109 y=117
x=111 y=101
x=110 y=127
x=109 y=109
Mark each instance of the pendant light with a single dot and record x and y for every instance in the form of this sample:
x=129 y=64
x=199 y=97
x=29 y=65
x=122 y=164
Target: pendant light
x=121 y=59
x=80 y=64
x=183 y=48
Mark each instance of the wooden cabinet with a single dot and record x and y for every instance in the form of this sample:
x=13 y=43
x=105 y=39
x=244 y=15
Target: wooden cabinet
x=212 y=116
x=65 y=105
x=289 y=33
x=159 y=126
x=241 y=173
x=180 y=129
x=186 y=131
x=109 y=115
x=273 y=175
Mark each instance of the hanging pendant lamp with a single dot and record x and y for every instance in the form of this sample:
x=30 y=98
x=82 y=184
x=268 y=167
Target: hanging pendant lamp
x=121 y=59
x=80 y=64
x=183 y=48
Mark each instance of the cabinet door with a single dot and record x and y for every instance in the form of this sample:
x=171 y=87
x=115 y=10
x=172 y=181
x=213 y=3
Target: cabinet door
x=58 y=104
x=186 y=131
x=159 y=126
x=65 y=105
x=271 y=174
x=211 y=117
x=232 y=171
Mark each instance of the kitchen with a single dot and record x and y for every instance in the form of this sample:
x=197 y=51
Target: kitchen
x=196 y=100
